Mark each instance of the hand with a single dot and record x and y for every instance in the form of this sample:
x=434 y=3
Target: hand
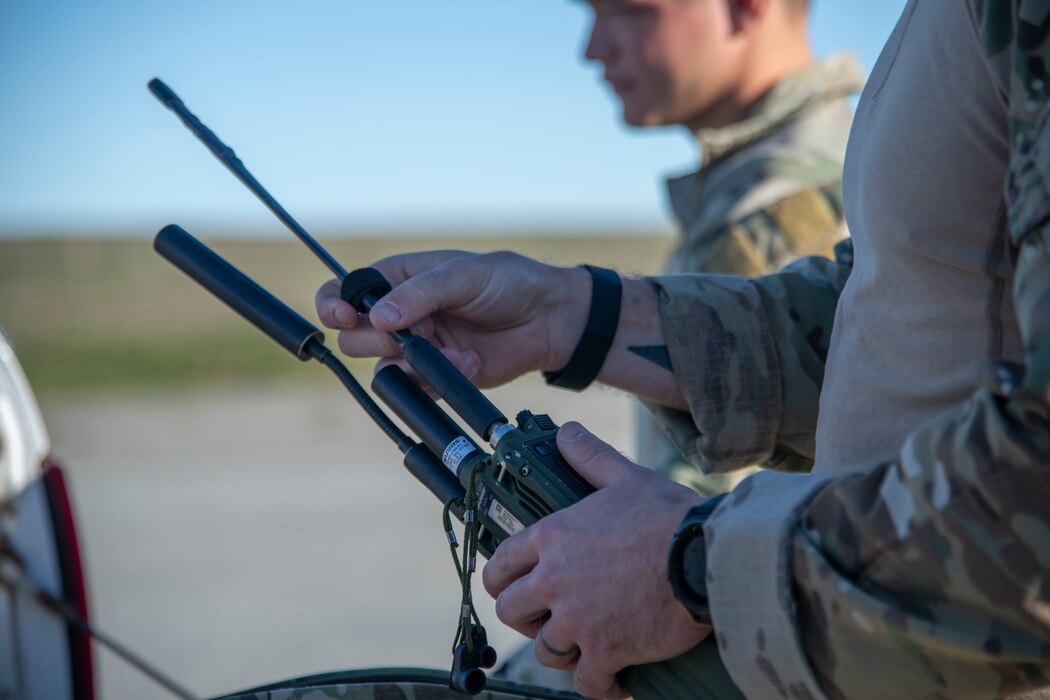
x=593 y=577
x=496 y=316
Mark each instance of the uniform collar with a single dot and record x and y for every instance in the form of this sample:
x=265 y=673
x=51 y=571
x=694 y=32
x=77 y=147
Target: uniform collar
x=831 y=79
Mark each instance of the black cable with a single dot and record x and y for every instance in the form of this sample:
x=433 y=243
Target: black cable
x=326 y=358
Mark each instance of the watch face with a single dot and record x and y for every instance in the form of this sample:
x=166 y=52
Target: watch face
x=687 y=564
x=694 y=566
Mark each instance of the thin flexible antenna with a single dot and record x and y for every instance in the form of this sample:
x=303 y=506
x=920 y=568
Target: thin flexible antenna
x=361 y=288
x=228 y=158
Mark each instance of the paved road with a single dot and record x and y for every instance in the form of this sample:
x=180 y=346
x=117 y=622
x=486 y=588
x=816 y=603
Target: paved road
x=240 y=536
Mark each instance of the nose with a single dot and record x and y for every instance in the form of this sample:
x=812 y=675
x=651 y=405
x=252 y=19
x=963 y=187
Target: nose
x=599 y=44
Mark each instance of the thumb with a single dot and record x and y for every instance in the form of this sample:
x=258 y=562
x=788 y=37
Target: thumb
x=596 y=461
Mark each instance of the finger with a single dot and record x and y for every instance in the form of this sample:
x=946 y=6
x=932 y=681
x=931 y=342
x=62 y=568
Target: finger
x=466 y=362
x=332 y=311
x=593 y=682
x=449 y=285
x=338 y=314
x=514 y=558
x=596 y=461
x=366 y=341
x=522 y=606
x=553 y=647
x=398 y=268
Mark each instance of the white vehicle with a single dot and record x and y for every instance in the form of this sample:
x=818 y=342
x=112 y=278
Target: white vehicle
x=44 y=653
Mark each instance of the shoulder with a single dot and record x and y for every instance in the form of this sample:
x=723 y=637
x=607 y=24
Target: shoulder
x=804 y=221
x=808 y=221
x=802 y=157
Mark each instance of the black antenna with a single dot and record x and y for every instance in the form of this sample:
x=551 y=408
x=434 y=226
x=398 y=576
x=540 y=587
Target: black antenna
x=228 y=158
x=360 y=288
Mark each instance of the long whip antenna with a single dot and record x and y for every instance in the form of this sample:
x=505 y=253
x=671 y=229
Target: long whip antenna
x=228 y=158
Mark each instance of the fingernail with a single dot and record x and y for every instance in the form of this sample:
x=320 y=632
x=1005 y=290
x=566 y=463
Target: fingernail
x=571 y=432
x=470 y=364
x=387 y=311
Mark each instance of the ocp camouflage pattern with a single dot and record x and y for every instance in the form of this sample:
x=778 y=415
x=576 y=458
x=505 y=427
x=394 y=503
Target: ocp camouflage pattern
x=940 y=563
x=941 y=560
x=752 y=400
x=929 y=576
x=769 y=191
x=390 y=690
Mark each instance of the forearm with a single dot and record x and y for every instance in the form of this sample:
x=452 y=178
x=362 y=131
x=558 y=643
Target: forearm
x=926 y=574
x=638 y=361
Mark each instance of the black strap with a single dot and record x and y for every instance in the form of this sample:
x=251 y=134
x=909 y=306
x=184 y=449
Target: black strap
x=590 y=353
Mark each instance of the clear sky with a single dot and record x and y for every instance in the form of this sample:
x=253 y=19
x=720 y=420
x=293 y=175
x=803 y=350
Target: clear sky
x=355 y=114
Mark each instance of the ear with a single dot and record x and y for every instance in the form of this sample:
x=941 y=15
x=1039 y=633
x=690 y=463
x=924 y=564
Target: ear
x=745 y=13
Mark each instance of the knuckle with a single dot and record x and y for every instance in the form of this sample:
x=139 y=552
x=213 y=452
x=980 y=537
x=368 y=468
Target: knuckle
x=540 y=534
x=544 y=583
x=597 y=451
x=501 y=257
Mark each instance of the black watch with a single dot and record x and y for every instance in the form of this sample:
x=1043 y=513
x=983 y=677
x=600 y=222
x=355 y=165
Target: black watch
x=687 y=561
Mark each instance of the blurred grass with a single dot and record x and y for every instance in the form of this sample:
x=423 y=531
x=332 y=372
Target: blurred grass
x=90 y=314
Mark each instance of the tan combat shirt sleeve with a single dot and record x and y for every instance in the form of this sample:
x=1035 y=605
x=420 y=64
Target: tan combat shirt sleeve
x=928 y=576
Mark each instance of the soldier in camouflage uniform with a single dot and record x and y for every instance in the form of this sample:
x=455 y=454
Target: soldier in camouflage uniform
x=769 y=186
x=771 y=126
x=914 y=561
x=769 y=190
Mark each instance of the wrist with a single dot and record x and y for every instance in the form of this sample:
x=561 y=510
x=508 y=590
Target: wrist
x=569 y=298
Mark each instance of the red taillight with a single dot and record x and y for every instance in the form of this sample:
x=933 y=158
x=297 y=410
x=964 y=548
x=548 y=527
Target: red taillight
x=73 y=580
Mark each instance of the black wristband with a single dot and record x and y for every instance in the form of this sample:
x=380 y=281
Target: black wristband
x=590 y=353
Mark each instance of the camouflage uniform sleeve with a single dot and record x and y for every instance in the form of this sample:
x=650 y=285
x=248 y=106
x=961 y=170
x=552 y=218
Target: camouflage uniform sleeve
x=751 y=372
x=807 y=221
x=928 y=576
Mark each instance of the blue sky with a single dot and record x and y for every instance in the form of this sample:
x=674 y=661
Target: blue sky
x=356 y=115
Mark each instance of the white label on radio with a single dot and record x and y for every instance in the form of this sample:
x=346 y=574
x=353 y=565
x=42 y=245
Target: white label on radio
x=455 y=452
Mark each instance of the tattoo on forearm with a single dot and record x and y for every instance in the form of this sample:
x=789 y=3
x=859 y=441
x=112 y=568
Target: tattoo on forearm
x=657 y=354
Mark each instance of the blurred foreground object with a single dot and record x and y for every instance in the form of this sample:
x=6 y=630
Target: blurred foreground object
x=41 y=655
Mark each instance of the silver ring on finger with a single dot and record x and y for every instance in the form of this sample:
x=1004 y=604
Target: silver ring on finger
x=553 y=650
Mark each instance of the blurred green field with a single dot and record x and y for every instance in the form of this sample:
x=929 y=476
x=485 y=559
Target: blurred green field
x=91 y=314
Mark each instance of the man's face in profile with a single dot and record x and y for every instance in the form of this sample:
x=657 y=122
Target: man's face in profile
x=669 y=61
